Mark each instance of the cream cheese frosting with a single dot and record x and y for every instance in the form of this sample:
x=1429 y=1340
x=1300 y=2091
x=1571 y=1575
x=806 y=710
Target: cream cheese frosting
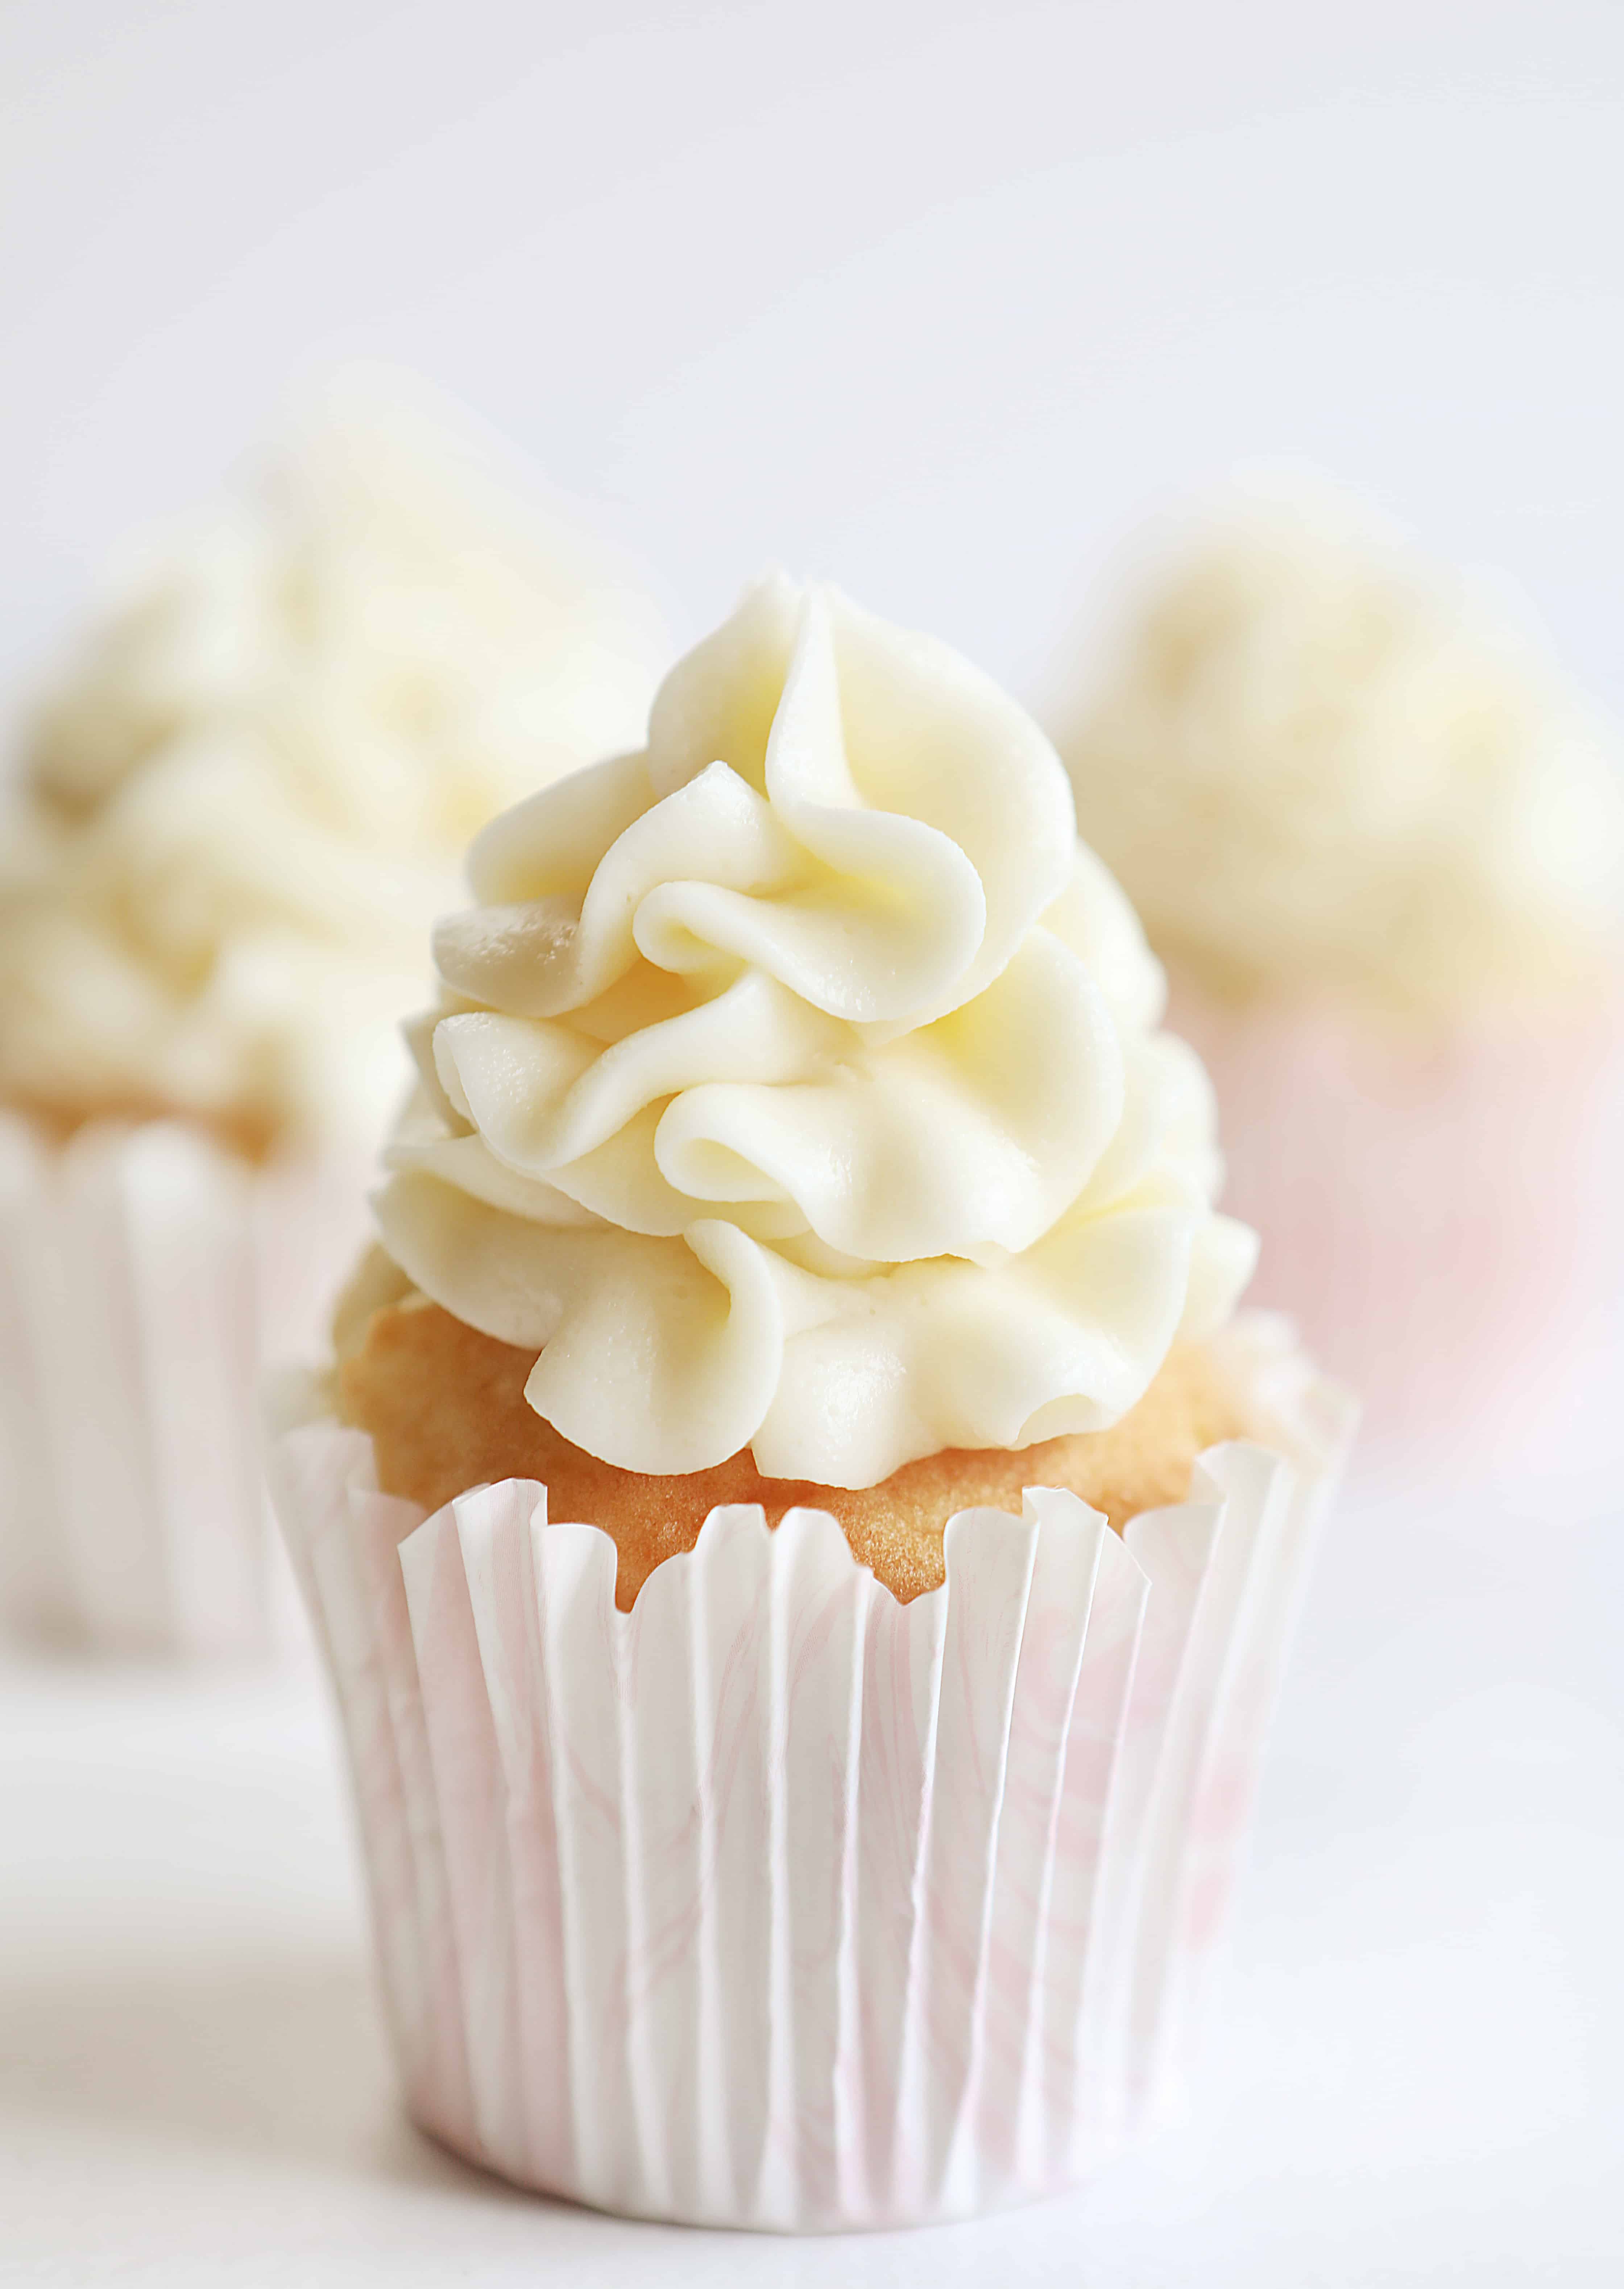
x=795 y=1082
x=1320 y=767
x=249 y=797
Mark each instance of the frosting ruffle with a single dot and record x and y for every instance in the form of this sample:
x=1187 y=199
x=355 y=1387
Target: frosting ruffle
x=794 y=1083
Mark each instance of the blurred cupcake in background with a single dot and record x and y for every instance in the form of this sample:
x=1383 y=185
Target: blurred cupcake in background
x=234 y=817
x=1378 y=842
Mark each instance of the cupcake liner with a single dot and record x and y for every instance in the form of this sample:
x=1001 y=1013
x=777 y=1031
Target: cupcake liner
x=775 y=1902
x=145 y=1273
x=1443 y=1220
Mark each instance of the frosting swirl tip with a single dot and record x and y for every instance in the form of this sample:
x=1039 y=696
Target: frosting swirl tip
x=795 y=1083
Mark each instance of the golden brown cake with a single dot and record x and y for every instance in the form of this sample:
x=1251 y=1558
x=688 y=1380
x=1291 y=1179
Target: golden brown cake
x=445 y=1408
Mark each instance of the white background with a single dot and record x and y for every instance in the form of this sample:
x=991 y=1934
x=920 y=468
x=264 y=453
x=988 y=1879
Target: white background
x=940 y=300
x=937 y=297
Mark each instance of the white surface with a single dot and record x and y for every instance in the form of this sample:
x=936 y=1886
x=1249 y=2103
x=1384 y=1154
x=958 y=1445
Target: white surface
x=1419 y=2076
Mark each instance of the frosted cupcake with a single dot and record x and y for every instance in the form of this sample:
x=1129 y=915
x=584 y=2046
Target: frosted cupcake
x=803 y=1546
x=236 y=814
x=1378 y=843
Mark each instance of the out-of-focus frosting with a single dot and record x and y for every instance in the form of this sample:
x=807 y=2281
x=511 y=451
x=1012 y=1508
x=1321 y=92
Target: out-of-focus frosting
x=249 y=798
x=1318 y=768
x=795 y=1086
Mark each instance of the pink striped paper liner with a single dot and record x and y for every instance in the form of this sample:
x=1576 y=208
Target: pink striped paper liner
x=1443 y=1218
x=775 y=1902
x=146 y=1274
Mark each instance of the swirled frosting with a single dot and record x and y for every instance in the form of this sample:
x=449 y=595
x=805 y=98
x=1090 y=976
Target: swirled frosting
x=794 y=1083
x=1319 y=767
x=249 y=795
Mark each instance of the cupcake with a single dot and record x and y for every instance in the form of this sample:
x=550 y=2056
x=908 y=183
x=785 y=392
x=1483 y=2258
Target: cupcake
x=803 y=1545
x=1377 y=842
x=236 y=815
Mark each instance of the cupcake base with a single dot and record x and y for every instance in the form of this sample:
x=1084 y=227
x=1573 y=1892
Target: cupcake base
x=1442 y=1217
x=775 y=1902
x=146 y=1272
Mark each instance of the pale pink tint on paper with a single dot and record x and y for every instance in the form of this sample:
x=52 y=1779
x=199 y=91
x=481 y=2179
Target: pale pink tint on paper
x=1444 y=1221
x=775 y=1902
x=145 y=1275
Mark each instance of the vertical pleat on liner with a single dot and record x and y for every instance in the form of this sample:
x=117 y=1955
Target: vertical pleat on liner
x=775 y=1902
x=145 y=1273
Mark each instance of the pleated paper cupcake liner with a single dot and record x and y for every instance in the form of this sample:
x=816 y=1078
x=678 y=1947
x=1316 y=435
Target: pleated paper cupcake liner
x=1444 y=1221
x=775 y=1902
x=146 y=1272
